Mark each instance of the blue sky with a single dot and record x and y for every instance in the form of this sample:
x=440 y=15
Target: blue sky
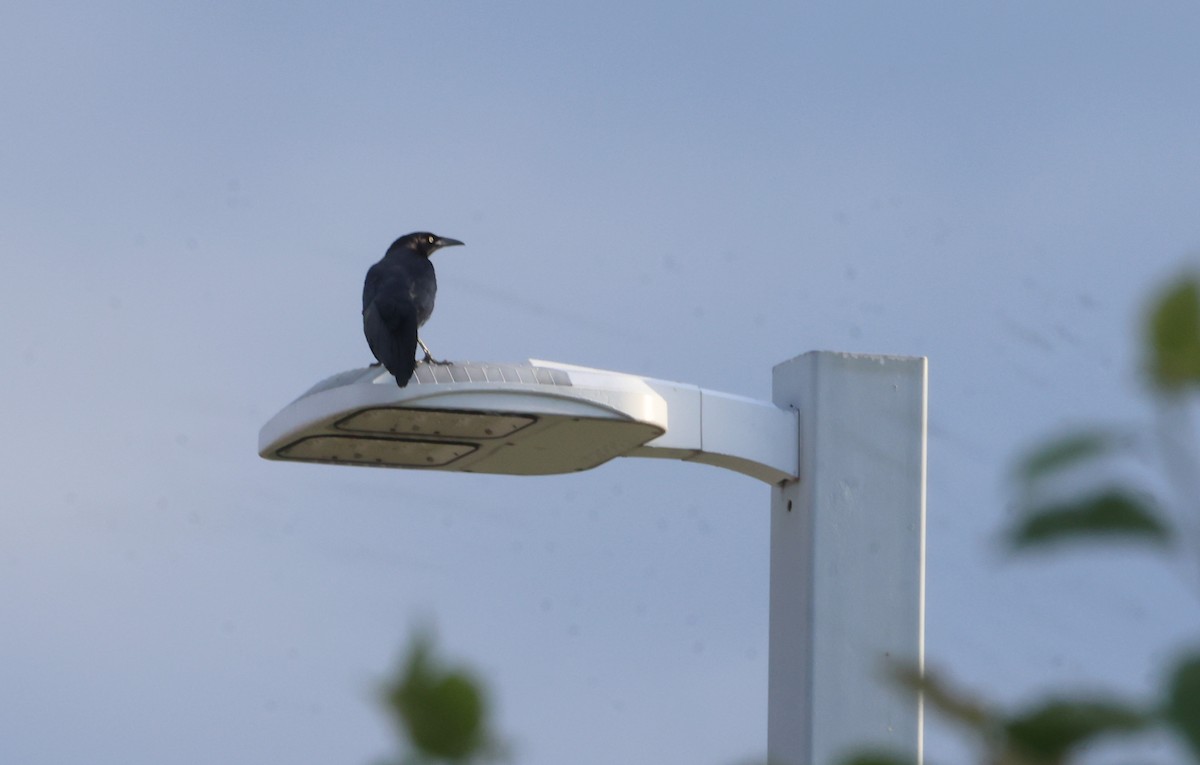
x=191 y=195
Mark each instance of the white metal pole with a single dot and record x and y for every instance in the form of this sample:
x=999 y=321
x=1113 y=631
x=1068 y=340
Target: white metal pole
x=848 y=560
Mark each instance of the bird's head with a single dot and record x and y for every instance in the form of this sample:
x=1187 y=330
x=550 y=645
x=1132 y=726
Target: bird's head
x=422 y=242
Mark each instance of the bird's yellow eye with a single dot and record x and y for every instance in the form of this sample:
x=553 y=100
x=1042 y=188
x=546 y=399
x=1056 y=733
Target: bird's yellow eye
x=431 y=240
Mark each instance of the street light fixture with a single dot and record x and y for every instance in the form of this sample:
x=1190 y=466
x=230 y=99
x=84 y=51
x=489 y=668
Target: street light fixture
x=842 y=443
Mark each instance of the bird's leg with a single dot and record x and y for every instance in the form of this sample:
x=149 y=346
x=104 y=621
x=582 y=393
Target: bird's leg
x=429 y=359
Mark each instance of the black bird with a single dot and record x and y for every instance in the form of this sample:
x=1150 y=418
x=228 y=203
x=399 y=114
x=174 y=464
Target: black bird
x=398 y=298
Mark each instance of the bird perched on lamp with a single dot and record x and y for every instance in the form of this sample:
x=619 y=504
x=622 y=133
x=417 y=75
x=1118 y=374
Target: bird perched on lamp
x=398 y=298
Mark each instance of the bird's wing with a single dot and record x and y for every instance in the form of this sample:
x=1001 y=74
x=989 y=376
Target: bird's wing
x=391 y=330
x=375 y=276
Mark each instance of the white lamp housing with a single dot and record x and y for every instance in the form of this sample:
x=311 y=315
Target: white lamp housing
x=532 y=418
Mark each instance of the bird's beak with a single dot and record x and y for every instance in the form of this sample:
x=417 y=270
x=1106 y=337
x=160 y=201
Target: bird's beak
x=445 y=241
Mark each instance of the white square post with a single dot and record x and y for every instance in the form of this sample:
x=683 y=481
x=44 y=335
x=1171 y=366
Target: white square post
x=848 y=560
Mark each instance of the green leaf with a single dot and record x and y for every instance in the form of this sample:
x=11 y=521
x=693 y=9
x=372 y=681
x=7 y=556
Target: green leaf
x=442 y=711
x=1065 y=451
x=1112 y=513
x=1174 y=335
x=1183 y=703
x=1050 y=732
x=951 y=703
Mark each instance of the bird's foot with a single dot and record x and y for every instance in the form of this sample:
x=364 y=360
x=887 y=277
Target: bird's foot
x=429 y=359
x=376 y=364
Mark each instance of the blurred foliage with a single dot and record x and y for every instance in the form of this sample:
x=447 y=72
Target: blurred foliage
x=1115 y=513
x=440 y=711
x=1053 y=731
x=1173 y=346
x=1065 y=452
x=1182 y=707
x=1112 y=512
x=950 y=703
